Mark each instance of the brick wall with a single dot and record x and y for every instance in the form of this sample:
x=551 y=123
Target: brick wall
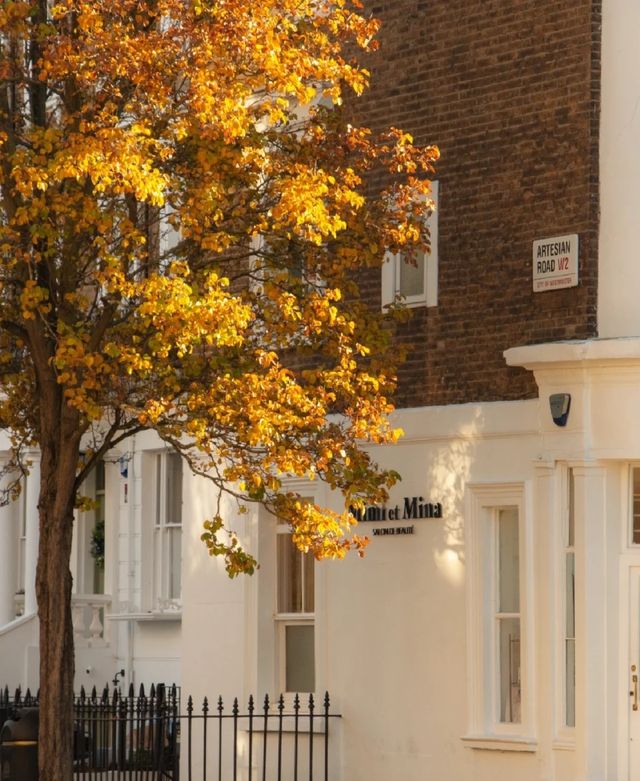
x=509 y=90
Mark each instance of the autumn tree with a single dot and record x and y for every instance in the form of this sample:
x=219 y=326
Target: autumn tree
x=183 y=214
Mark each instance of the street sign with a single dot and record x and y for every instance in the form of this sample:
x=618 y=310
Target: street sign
x=555 y=263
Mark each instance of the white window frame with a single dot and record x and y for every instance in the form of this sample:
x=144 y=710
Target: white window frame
x=90 y=570
x=282 y=620
x=266 y=668
x=22 y=539
x=564 y=736
x=392 y=265
x=630 y=544
x=162 y=526
x=485 y=730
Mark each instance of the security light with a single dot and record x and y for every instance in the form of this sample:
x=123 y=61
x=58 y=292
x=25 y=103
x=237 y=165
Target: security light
x=559 y=404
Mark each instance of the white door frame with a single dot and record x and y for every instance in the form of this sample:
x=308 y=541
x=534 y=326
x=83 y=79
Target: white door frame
x=629 y=603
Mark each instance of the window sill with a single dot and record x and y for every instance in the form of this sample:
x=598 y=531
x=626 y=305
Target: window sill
x=564 y=744
x=500 y=742
x=422 y=304
x=151 y=615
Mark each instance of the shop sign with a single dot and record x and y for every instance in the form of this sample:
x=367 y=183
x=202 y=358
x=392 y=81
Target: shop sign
x=555 y=263
x=412 y=508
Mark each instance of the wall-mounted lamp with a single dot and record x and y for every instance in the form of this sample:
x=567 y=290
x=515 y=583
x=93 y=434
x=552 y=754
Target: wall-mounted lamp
x=559 y=404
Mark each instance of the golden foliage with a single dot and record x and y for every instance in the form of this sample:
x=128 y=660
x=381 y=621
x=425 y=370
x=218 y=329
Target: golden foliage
x=183 y=215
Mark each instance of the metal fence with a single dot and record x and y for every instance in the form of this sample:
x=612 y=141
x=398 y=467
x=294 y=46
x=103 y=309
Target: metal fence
x=146 y=737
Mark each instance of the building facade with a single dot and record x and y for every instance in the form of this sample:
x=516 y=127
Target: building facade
x=492 y=631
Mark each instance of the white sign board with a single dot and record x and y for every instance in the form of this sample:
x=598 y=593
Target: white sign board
x=555 y=263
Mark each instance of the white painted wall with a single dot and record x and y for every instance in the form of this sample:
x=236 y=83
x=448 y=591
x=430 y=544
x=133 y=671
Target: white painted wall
x=397 y=618
x=392 y=629
x=19 y=665
x=392 y=644
x=619 y=270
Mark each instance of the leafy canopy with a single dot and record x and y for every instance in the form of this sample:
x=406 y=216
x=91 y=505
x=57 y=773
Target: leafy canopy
x=183 y=217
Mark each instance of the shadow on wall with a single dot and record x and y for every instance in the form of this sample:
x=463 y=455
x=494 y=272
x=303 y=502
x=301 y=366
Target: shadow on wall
x=451 y=471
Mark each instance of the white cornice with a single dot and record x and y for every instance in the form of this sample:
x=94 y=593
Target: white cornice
x=596 y=351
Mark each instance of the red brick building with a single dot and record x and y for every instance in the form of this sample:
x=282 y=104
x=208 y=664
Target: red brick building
x=509 y=91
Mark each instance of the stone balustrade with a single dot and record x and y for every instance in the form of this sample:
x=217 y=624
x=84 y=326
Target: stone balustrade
x=88 y=618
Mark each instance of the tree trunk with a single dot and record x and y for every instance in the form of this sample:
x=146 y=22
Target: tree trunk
x=53 y=588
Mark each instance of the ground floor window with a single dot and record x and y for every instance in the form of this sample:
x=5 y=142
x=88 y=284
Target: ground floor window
x=295 y=615
x=497 y=536
x=167 y=530
x=635 y=505
x=505 y=582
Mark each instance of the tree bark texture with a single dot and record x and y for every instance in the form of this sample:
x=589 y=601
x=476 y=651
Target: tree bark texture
x=59 y=462
x=53 y=586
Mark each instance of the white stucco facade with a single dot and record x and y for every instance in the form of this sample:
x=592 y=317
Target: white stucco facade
x=619 y=272
x=407 y=640
x=400 y=635
x=400 y=639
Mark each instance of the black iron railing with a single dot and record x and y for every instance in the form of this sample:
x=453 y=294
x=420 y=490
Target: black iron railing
x=143 y=736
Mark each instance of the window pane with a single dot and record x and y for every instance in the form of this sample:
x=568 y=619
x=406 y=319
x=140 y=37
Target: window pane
x=636 y=506
x=570 y=671
x=570 y=595
x=159 y=509
x=289 y=575
x=23 y=510
x=174 y=489
x=300 y=659
x=572 y=521
x=157 y=564
x=508 y=561
x=308 y=564
x=99 y=508
x=100 y=476
x=411 y=277
x=21 y=563
x=174 y=560
x=510 y=694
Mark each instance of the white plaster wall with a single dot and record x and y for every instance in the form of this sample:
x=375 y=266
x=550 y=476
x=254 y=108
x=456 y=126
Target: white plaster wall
x=213 y=605
x=397 y=618
x=94 y=667
x=213 y=615
x=619 y=269
x=19 y=664
x=391 y=628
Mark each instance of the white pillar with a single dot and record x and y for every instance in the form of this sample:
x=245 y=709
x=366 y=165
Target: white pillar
x=8 y=554
x=32 y=533
x=112 y=522
x=544 y=521
x=592 y=623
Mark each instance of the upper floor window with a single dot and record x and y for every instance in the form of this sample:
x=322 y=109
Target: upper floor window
x=414 y=282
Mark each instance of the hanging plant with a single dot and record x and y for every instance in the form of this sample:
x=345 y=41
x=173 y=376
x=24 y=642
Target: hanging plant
x=96 y=547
